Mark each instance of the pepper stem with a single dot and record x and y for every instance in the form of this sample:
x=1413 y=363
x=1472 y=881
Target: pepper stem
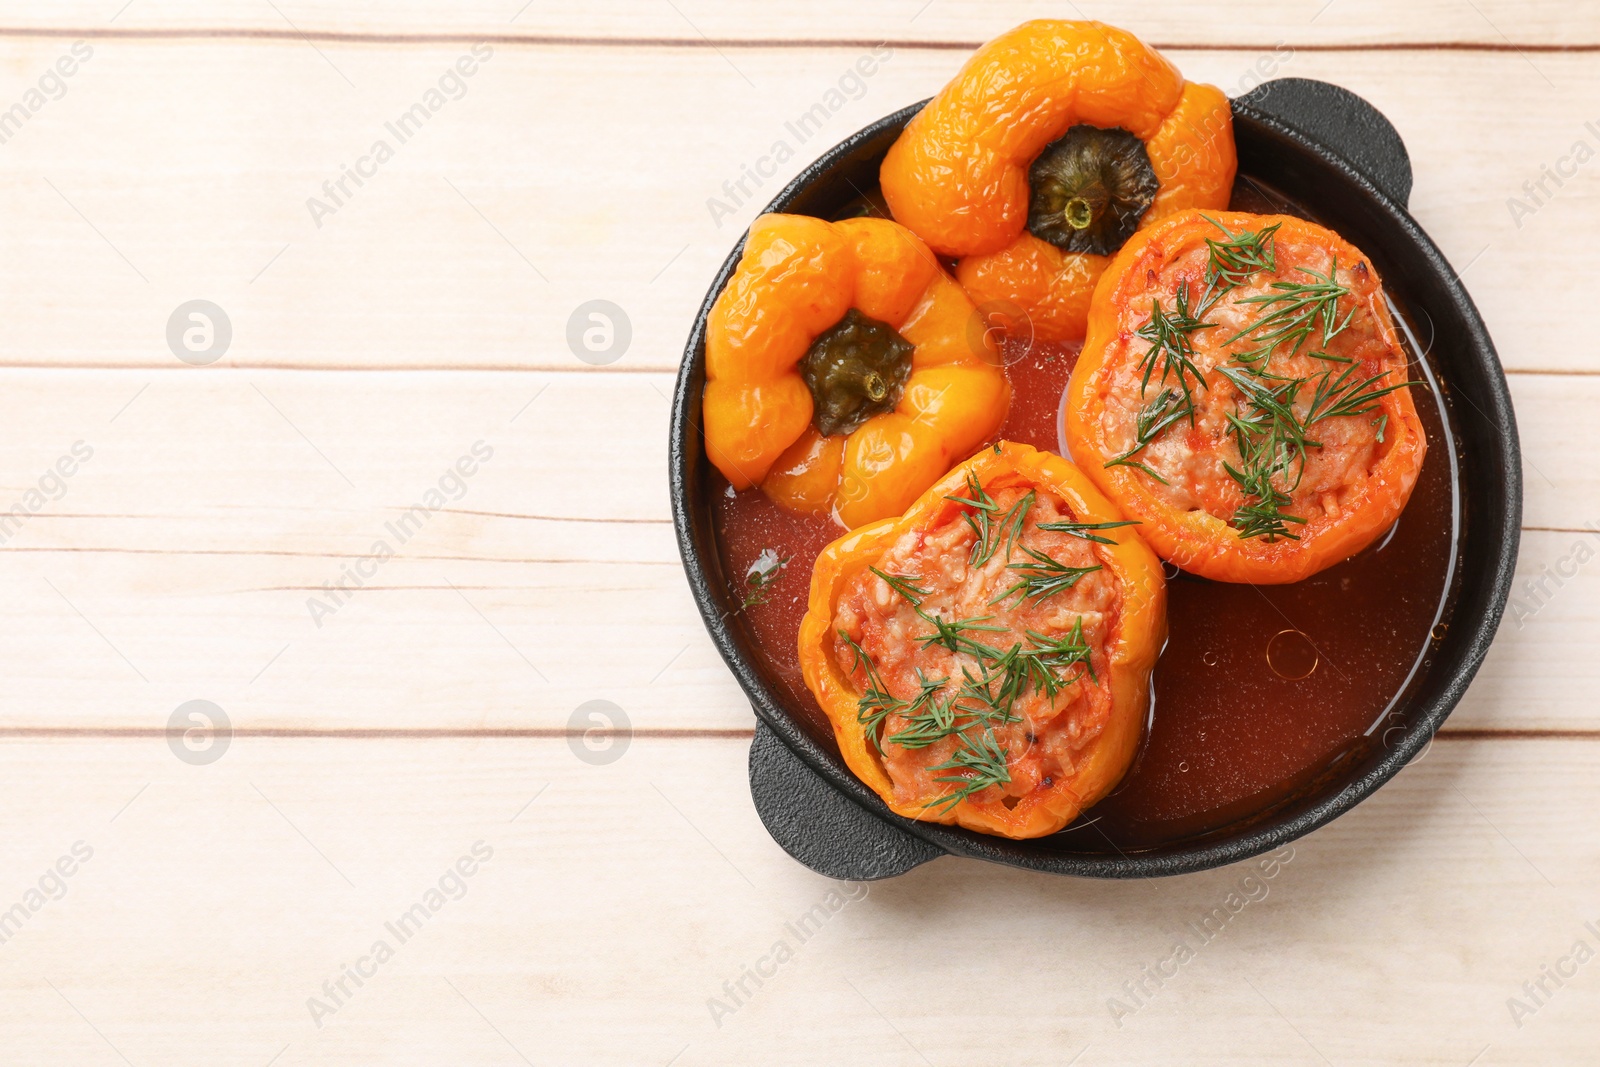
x=856 y=369
x=1089 y=189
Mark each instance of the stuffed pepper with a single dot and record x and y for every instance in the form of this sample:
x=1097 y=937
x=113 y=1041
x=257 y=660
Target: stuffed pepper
x=842 y=373
x=985 y=658
x=1242 y=392
x=1052 y=146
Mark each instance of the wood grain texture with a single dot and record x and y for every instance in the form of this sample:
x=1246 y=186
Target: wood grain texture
x=630 y=880
x=174 y=170
x=619 y=898
x=947 y=23
x=182 y=560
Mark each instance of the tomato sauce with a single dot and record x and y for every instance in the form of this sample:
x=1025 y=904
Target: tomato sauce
x=1260 y=691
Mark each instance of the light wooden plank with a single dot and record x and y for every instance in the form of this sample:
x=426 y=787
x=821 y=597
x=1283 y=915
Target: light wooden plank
x=619 y=898
x=565 y=175
x=411 y=653
x=195 y=445
x=1344 y=22
x=181 y=559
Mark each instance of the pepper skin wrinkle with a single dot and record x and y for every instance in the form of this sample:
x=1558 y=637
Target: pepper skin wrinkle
x=896 y=387
x=958 y=176
x=1021 y=560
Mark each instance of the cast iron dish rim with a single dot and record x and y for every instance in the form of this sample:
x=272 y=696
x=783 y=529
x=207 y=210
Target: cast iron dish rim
x=1177 y=858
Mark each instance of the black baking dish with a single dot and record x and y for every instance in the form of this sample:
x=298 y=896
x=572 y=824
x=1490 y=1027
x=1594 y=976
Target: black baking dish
x=1327 y=147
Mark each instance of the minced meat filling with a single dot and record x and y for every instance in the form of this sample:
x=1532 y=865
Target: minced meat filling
x=981 y=648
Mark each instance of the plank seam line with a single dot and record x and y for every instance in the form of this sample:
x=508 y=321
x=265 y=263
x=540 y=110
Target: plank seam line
x=562 y=733
x=510 y=368
x=713 y=43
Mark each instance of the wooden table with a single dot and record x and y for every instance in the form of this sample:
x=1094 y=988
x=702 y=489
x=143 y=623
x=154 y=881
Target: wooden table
x=178 y=513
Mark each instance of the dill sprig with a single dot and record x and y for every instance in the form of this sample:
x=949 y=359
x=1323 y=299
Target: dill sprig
x=1172 y=346
x=1016 y=517
x=1292 y=314
x=1167 y=409
x=1050 y=656
x=1271 y=441
x=1273 y=438
x=876 y=703
x=985 y=700
x=760 y=576
x=1232 y=262
x=905 y=585
x=1268 y=428
x=1172 y=352
x=1082 y=529
x=992 y=530
x=982 y=763
x=1348 y=396
x=1044 y=577
x=980 y=519
x=1127 y=460
x=935 y=722
x=927 y=715
x=952 y=634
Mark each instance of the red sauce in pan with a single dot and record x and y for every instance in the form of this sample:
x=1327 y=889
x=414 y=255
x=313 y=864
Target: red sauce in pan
x=1261 y=689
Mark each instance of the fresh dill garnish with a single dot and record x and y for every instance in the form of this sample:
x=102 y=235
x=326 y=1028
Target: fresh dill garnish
x=935 y=723
x=761 y=574
x=1167 y=409
x=1016 y=517
x=1044 y=577
x=1127 y=460
x=983 y=762
x=1292 y=314
x=977 y=498
x=1082 y=529
x=980 y=519
x=993 y=678
x=1041 y=665
x=989 y=532
x=1348 y=396
x=1172 y=351
x=1273 y=438
x=1274 y=415
x=1171 y=346
x=1232 y=262
x=905 y=585
x=953 y=635
x=929 y=719
x=1264 y=516
x=1271 y=441
x=984 y=701
x=1051 y=655
x=876 y=703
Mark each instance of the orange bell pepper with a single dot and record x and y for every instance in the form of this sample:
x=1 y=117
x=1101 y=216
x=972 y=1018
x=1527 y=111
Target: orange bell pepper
x=843 y=372
x=985 y=658
x=1242 y=393
x=966 y=176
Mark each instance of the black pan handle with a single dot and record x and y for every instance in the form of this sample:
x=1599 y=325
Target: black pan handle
x=1343 y=122
x=820 y=826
